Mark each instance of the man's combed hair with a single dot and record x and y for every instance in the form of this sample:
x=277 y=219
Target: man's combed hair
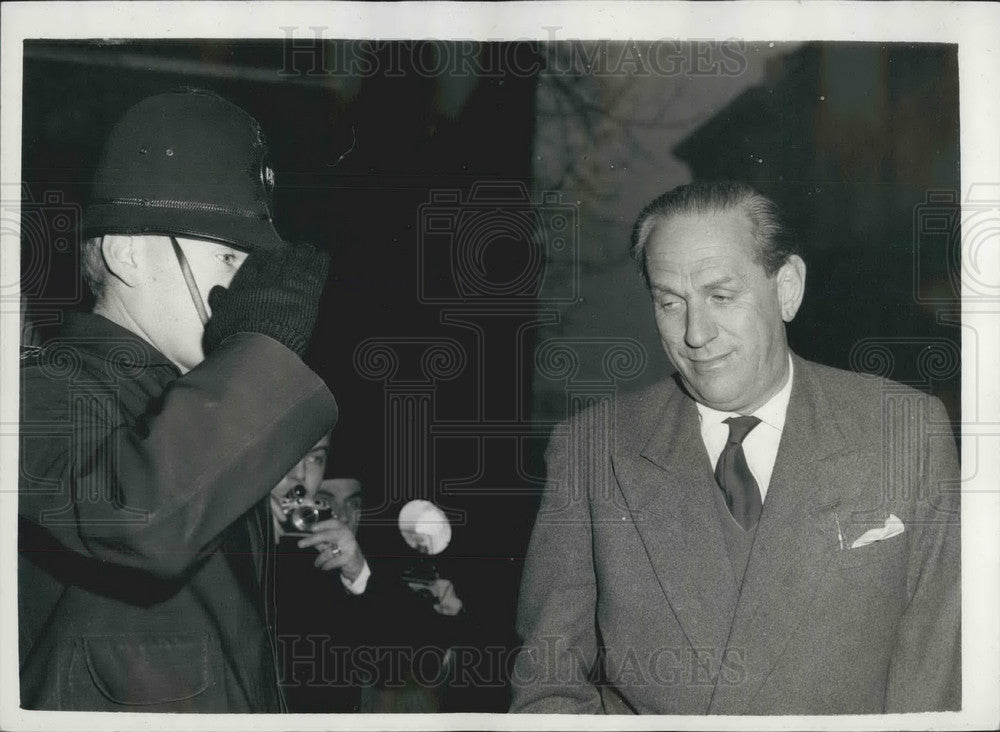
x=771 y=233
x=92 y=267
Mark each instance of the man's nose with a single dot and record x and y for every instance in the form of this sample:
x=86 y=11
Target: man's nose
x=700 y=328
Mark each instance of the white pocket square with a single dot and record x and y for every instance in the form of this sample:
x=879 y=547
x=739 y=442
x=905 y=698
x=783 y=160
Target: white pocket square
x=892 y=527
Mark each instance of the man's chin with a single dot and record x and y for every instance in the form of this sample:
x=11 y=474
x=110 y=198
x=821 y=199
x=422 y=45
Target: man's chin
x=712 y=393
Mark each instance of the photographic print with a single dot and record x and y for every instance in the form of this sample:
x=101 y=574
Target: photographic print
x=417 y=364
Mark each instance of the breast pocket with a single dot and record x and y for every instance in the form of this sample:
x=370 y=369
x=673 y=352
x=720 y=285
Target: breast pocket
x=886 y=552
x=146 y=669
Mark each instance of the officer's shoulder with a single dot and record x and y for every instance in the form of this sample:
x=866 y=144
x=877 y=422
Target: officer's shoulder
x=30 y=355
x=33 y=362
x=60 y=361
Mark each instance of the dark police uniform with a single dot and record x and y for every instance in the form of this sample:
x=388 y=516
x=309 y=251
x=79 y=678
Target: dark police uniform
x=141 y=544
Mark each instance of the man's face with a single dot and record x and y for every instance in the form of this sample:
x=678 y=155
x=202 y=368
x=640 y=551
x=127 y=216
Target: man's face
x=720 y=317
x=170 y=318
x=344 y=496
x=307 y=472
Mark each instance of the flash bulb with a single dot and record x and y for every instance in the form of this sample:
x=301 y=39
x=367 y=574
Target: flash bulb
x=424 y=527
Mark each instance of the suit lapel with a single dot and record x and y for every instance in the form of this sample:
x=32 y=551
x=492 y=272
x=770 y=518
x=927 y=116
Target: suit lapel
x=814 y=474
x=668 y=490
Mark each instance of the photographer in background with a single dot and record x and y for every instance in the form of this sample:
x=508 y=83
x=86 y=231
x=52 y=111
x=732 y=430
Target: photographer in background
x=351 y=638
x=325 y=520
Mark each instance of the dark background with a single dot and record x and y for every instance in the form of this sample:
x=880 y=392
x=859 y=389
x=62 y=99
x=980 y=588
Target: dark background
x=859 y=143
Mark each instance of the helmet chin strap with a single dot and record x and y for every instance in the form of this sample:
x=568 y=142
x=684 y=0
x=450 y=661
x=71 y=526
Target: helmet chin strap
x=192 y=286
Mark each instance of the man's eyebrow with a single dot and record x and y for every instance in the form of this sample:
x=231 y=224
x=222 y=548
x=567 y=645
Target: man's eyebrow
x=663 y=290
x=723 y=281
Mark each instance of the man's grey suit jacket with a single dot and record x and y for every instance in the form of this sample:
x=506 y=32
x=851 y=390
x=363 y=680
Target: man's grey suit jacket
x=629 y=601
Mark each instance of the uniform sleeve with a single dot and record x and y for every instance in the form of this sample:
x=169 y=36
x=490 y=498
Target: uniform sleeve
x=558 y=601
x=152 y=491
x=926 y=667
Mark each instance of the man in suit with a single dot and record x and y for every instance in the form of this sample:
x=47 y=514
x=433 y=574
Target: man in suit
x=762 y=535
x=153 y=428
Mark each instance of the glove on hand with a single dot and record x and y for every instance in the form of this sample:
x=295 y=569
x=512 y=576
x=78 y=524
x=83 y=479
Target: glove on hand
x=274 y=293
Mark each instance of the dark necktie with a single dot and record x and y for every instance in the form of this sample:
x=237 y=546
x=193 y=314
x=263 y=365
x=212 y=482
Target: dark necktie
x=734 y=476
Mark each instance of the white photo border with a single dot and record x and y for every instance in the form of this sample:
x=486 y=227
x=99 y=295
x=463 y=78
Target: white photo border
x=970 y=25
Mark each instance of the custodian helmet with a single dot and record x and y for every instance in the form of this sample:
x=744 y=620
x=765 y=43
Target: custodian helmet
x=187 y=163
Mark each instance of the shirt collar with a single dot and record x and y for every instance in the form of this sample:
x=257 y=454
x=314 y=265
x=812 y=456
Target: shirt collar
x=771 y=413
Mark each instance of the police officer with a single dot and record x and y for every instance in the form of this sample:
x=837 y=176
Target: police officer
x=153 y=427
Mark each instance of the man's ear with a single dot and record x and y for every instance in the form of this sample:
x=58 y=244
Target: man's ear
x=791 y=286
x=121 y=257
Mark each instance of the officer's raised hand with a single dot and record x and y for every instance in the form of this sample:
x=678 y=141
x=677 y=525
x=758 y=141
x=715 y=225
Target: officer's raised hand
x=274 y=293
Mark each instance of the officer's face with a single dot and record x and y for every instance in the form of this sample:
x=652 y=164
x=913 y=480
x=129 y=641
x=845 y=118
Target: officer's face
x=171 y=312
x=720 y=317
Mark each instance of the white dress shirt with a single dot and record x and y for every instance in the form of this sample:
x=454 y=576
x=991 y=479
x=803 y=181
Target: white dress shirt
x=761 y=445
x=360 y=583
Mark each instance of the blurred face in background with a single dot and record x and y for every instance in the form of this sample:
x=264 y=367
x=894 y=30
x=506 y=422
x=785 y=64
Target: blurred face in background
x=307 y=472
x=344 y=497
